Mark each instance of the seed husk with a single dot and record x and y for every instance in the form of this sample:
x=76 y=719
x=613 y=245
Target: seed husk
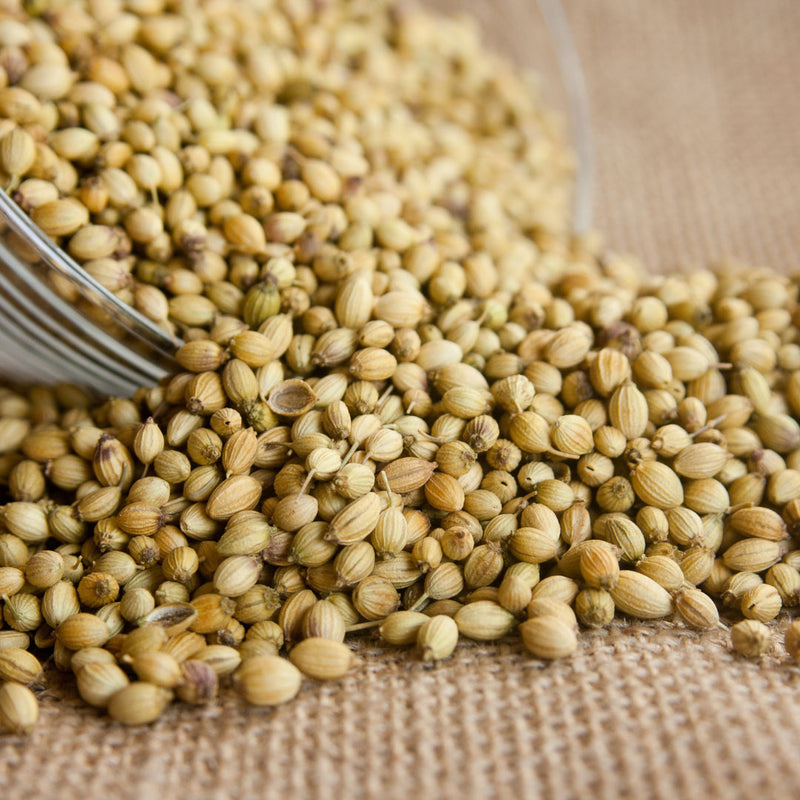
x=199 y=683
x=223 y=659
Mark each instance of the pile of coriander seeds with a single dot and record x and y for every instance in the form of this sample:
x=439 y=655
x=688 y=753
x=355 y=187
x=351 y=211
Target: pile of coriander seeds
x=411 y=404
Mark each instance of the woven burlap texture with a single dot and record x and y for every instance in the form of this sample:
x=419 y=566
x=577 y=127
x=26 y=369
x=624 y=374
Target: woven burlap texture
x=695 y=113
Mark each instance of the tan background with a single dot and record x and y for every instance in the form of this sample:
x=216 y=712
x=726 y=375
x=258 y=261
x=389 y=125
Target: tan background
x=695 y=122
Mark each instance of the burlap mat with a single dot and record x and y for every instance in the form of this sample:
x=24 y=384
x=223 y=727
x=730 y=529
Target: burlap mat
x=695 y=123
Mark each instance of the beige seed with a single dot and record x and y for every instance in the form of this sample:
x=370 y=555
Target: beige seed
x=657 y=485
x=14 y=639
x=19 y=709
x=696 y=609
x=402 y=627
x=235 y=494
x=267 y=680
x=157 y=667
x=355 y=521
x=665 y=571
x=324 y=620
x=622 y=533
x=572 y=435
x=534 y=545
x=594 y=608
x=547 y=606
x=514 y=594
x=98 y=682
x=375 y=597
x=761 y=603
x=751 y=638
x=236 y=575
x=407 y=474
x=484 y=621
x=548 y=638
x=763 y=523
x=437 y=638
x=138 y=703
x=702 y=460
x=627 y=410
x=737 y=585
x=599 y=567
x=21 y=666
x=83 y=630
x=792 y=640
x=59 y=602
x=751 y=555
x=556 y=587
x=323 y=659
x=786 y=579
x=60 y=217
x=43 y=569
x=639 y=596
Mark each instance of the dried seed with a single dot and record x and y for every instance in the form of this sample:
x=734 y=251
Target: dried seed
x=21 y=666
x=547 y=637
x=639 y=596
x=267 y=680
x=98 y=682
x=19 y=709
x=696 y=609
x=323 y=659
x=594 y=607
x=157 y=667
x=437 y=638
x=761 y=603
x=751 y=638
x=751 y=555
x=138 y=703
x=656 y=484
x=484 y=621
